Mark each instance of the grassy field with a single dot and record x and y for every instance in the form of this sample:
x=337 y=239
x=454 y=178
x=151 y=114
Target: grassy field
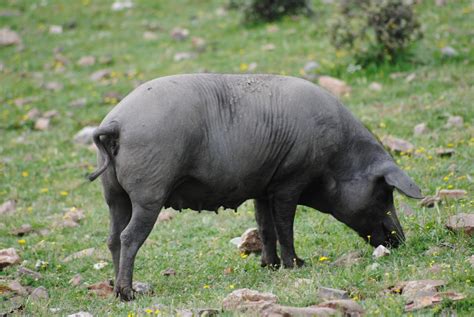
x=45 y=170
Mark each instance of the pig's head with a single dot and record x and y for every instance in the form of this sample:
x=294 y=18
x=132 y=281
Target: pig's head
x=363 y=200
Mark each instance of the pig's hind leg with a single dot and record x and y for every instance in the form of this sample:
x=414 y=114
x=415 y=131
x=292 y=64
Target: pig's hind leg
x=120 y=210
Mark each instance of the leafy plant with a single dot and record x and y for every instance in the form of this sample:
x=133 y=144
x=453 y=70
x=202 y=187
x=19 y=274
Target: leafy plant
x=375 y=30
x=269 y=10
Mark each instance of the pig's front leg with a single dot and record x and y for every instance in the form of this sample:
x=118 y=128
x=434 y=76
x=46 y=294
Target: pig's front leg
x=284 y=210
x=266 y=230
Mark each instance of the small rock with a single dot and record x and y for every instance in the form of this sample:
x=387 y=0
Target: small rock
x=303 y=283
x=420 y=128
x=454 y=122
x=22 y=230
x=311 y=67
x=142 y=288
x=204 y=312
x=375 y=86
x=100 y=265
x=166 y=215
x=74 y=214
x=100 y=74
x=252 y=66
x=84 y=136
x=88 y=60
x=23 y=271
x=236 y=241
x=442 y=152
x=245 y=299
x=411 y=77
x=448 y=51
x=199 y=44
x=251 y=241
x=461 y=223
x=55 y=29
x=168 y=272
x=33 y=114
x=347 y=306
x=429 y=201
x=179 y=34
x=8 y=257
x=9 y=37
x=17 y=288
x=279 y=310
x=120 y=5
x=8 y=207
x=42 y=124
x=20 y=102
x=39 y=294
x=181 y=56
x=348 y=259
x=327 y=293
x=335 y=86
x=50 y=114
x=78 y=103
x=76 y=280
x=150 y=36
x=80 y=254
x=184 y=313
x=102 y=289
x=81 y=314
x=54 y=86
x=440 y=3
x=471 y=260
x=452 y=193
x=397 y=145
x=380 y=251
x=268 y=47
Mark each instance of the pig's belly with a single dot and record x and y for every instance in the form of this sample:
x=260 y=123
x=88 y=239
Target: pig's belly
x=194 y=194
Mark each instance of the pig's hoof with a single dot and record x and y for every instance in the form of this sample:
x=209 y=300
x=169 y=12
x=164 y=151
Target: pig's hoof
x=292 y=263
x=124 y=293
x=273 y=264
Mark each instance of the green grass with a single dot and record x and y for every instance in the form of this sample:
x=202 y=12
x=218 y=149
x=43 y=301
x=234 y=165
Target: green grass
x=36 y=166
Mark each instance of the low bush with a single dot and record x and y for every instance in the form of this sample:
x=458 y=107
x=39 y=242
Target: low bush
x=269 y=10
x=375 y=30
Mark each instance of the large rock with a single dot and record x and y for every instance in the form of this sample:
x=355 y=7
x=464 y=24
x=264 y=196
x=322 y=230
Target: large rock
x=287 y=311
x=247 y=300
x=346 y=306
x=8 y=257
x=250 y=242
x=334 y=85
x=461 y=223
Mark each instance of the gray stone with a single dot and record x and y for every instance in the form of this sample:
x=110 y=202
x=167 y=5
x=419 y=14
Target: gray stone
x=9 y=37
x=39 y=294
x=142 y=288
x=420 y=128
x=251 y=241
x=310 y=67
x=380 y=251
x=448 y=51
x=327 y=293
x=81 y=314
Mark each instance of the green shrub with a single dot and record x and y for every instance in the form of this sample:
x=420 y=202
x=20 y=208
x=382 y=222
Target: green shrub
x=375 y=30
x=270 y=10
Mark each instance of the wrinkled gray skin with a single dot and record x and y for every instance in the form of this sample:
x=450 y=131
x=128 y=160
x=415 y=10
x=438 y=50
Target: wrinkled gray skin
x=206 y=140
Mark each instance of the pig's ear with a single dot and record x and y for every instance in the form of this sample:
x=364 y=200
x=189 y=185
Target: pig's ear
x=397 y=178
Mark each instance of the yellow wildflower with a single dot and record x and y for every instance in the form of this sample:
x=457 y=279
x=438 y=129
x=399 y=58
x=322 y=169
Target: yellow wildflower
x=22 y=242
x=63 y=193
x=323 y=258
x=25 y=173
